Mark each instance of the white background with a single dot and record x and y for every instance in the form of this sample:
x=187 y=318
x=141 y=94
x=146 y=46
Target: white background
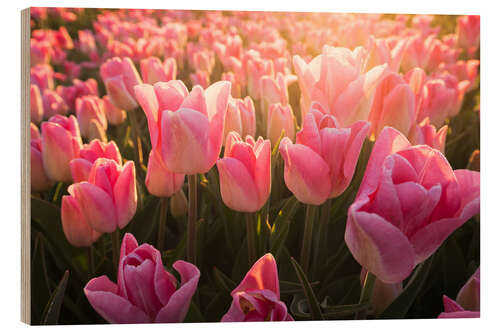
x=490 y=166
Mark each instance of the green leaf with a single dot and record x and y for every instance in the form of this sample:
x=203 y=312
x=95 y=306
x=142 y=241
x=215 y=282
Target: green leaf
x=53 y=308
x=194 y=315
x=223 y=281
x=402 y=304
x=281 y=225
x=144 y=222
x=306 y=286
x=337 y=311
x=299 y=308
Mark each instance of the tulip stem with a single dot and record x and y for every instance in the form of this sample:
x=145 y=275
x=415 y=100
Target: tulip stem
x=115 y=246
x=162 y=223
x=307 y=240
x=366 y=293
x=136 y=138
x=191 y=225
x=252 y=255
x=90 y=255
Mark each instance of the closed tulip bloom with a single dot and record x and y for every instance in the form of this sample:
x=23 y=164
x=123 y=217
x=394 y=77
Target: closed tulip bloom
x=61 y=142
x=336 y=80
x=40 y=52
x=452 y=310
x=426 y=134
x=235 y=84
x=257 y=297
x=280 y=117
x=256 y=68
x=201 y=78
x=36 y=104
x=90 y=108
x=42 y=76
x=409 y=202
x=187 y=128
x=245 y=173
x=75 y=227
x=81 y=166
x=322 y=162
x=39 y=179
x=114 y=115
x=152 y=70
x=469 y=295
x=108 y=200
x=468 y=32
x=53 y=104
x=393 y=105
x=145 y=291
x=240 y=117
x=463 y=71
x=120 y=76
x=273 y=90
x=380 y=53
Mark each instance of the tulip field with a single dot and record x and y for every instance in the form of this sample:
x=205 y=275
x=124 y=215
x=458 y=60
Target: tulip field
x=207 y=166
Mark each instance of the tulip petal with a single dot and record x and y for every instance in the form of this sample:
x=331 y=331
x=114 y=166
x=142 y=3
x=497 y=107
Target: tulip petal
x=146 y=97
x=160 y=181
x=262 y=275
x=125 y=195
x=75 y=227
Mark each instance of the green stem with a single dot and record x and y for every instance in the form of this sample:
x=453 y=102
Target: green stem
x=307 y=240
x=115 y=246
x=136 y=138
x=192 y=212
x=90 y=257
x=321 y=236
x=162 y=223
x=366 y=293
x=252 y=252
x=57 y=192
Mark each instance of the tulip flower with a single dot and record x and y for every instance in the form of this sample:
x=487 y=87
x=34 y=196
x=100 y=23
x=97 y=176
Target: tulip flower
x=36 y=104
x=145 y=291
x=240 y=117
x=409 y=201
x=322 y=162
x=200 y=78
x=393 y=105
x=235 y=85
x=469 y=295
x=152 y=70
x=81 y=166
x=335 y=80
x=463 y=71
x=257 y=297
x=380 y=53
x=42 y=76
x=90 y=108
x=114 y=115
x=40 y=52
x=452 y=310
x=426 y=134
x=273 y=91
x=245 y=173
x=39 y=179
x=108 y=200
x=468 y=32
x=280 y=117
x=75 y=227
x=189 y=129
x=120 y=76
x=61 y=142
x=256 y=68
x=53 y=104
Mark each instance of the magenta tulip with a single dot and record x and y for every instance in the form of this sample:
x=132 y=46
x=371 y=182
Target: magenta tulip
x=452 y=310
x=322 y=162
x=245 y=173
x=257 y=297
x=409 y=202
x=108 y=200
x=145 y=291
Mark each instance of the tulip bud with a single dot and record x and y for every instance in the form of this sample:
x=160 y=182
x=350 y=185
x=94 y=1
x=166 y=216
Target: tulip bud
x=39 y=180
x=76 y=229
x=42 y=76
x=178 y=204
x=273 y=91
x=280 y=117
x=120 y=76
x=61 y=142
x=53 y=104
x=114 y=115
x=90 y=109
x=36 y=104
x=152 y=70
x=240 y=117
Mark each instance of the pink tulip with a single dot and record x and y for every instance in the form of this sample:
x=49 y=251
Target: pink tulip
x=200 y=78
x=322 y=162
x=463 y=71
x=257 y=297
x=90 y=108
x=256 y=68
x=409 y=202
x=280 y=117
x=335 y=80
x=380 y=53
x=109 y=198
x=452 y=310
x=75 y=227
x=186 y=128
x=61 y=142
x=120 y=76
x=39 y=179
x=426 y=134
x=53 y=104
x=468 y=32
x=152 y=70
x=245 y=173
x=469 y=295
x=40 y=52
x=86 y=42
x=42 y=76
x=81 y=166
x=36 y=104
x=145 y=291
x=240 y=117
x=273 y=91
x=393 y=105
x=418 y=52
x=235 y=85
x=114 y=115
